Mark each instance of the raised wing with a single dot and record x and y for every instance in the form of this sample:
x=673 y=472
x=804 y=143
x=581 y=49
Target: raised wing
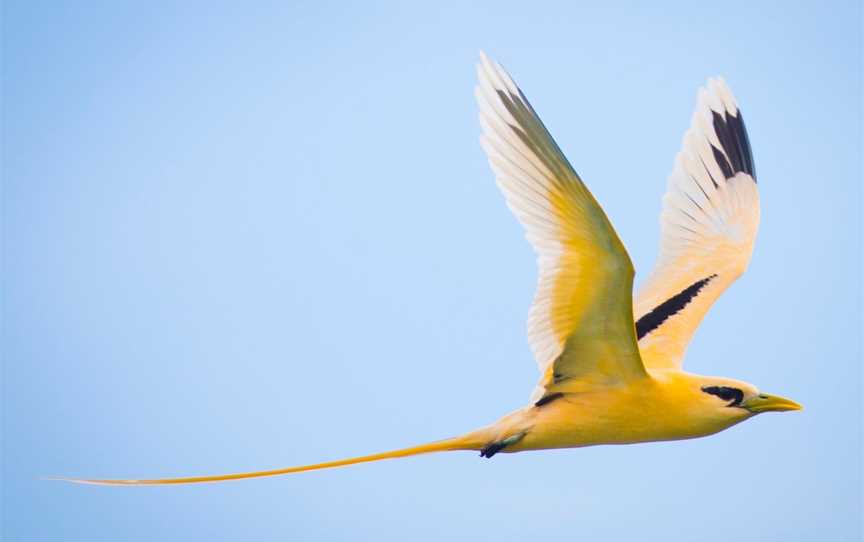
x=708 y=227
x=581 y=323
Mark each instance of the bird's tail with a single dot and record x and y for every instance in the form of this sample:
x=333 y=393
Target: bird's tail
x=465 y=442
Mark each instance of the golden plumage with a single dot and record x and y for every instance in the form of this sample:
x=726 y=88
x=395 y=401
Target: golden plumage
x=610 y=365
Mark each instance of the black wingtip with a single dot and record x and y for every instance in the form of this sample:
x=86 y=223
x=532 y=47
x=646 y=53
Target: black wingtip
x=732 y=135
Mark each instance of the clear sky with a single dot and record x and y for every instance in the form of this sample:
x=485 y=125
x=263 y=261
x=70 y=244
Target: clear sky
x=240 y=237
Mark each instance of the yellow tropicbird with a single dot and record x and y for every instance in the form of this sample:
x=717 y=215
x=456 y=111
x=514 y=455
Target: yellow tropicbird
x=603 y=379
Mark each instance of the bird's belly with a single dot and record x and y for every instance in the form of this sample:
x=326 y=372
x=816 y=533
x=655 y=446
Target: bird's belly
x=573 y=424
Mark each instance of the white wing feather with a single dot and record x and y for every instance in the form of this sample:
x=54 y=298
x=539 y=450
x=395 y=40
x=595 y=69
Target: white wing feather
x=708 y=227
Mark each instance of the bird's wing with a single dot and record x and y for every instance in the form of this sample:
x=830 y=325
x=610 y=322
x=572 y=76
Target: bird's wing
x=581 y=323
x=708 y=227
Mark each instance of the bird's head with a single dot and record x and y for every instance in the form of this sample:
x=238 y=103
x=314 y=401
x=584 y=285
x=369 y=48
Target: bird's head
x=728 y=398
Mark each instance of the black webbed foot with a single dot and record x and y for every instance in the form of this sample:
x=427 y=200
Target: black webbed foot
x=494 y=447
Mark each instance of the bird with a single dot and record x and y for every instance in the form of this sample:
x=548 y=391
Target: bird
x=610 y=364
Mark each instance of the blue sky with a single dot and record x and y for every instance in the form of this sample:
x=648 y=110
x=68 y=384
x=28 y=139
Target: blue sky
x=241 y=237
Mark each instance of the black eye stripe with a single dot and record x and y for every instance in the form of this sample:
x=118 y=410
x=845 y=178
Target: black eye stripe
x=726 y=393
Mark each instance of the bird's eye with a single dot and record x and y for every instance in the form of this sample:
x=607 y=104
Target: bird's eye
x=726 y=393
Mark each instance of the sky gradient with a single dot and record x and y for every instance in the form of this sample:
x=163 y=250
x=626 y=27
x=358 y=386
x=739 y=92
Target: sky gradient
x=245 y=237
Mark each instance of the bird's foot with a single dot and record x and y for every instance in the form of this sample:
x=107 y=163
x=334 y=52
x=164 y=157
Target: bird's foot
x=494 y=447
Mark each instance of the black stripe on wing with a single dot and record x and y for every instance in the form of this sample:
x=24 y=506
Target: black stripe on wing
x=732 y=134
x=670 y=307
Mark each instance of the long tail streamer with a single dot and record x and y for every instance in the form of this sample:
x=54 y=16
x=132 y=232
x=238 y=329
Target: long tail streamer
x=458 y=443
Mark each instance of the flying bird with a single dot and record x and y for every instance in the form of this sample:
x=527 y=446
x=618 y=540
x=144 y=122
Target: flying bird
x=610 y=365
